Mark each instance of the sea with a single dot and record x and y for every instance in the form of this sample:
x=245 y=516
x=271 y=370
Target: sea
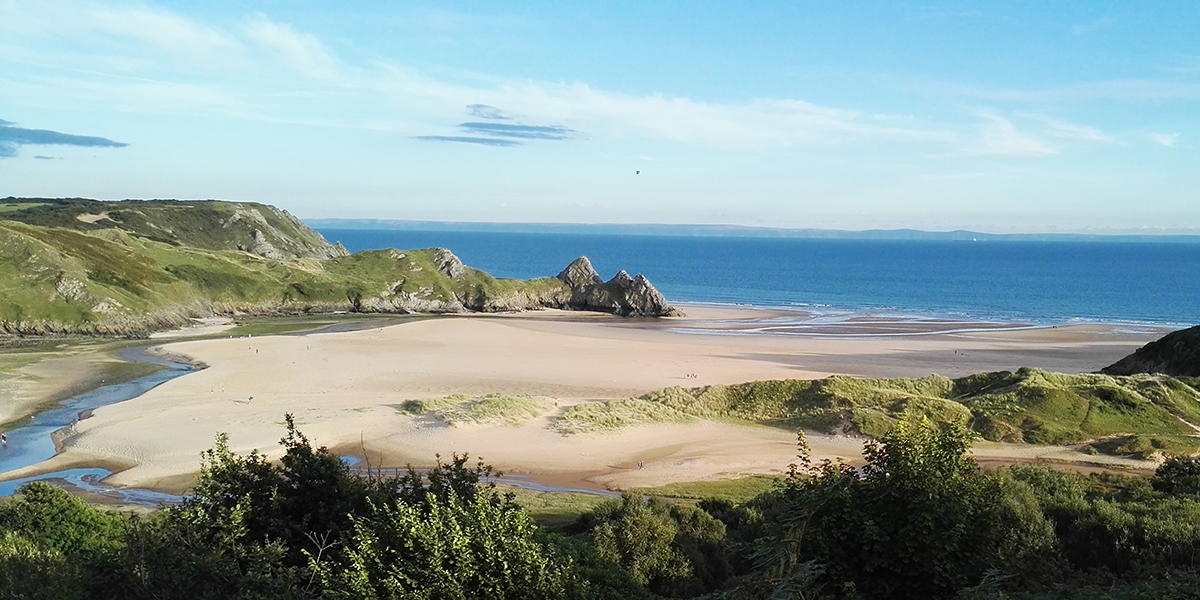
x=1040 y=283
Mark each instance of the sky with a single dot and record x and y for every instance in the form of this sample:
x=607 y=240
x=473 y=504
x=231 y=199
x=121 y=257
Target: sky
x=991 y=116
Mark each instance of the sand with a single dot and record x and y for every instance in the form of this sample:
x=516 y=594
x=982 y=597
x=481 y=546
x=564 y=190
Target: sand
x=344 y=389
x=25 y=390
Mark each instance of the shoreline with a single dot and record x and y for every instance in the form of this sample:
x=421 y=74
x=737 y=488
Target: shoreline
x=42 y=385
x=823 y=313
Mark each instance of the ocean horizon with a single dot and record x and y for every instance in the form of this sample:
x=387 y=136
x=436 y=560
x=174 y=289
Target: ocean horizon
x=1035 y=282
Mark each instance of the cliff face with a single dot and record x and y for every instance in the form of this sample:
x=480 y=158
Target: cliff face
x=97 y=278
x=621 y=295
x=1177 y=354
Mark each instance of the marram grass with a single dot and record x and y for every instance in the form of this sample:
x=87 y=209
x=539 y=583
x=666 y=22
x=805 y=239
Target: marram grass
x=1026 y=406
x=492 y=409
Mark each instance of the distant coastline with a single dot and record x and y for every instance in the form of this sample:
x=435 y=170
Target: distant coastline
x=651 y=229
x=1031 y=282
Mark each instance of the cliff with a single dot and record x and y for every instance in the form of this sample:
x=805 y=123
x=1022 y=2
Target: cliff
x=130 y=268
x=1177 y=354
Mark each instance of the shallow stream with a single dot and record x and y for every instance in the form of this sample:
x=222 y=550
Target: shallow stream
x=33 y=442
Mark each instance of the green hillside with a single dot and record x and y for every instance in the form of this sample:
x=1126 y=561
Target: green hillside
x=1030 y=405
x=82 y=278
x=208 y=224
x=1177 y=353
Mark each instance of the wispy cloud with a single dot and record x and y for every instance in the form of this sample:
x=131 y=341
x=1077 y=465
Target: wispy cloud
x=12 y=138
x=1168 y=140
x=483 y=111
x=466 y=140
x=260 y=69
x=500 y=134
x=1072 y=131
x=530 y=132
x=999 y=137
x=302 y=51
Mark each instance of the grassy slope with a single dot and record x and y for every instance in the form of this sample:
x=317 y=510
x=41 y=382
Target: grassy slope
x=209 y=224
x=1029 y=405
x=1177 y=353
x=107 y=279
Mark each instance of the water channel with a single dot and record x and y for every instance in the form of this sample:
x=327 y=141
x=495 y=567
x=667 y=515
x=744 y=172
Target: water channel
x=33 y=442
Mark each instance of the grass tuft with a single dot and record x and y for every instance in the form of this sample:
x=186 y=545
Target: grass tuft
x=493 y=409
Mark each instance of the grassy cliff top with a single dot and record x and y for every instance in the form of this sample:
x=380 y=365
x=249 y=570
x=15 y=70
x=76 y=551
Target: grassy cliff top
x=109 y=281
x=206 y=224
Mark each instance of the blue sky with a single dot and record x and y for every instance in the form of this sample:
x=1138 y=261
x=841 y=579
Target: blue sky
x=997 y=116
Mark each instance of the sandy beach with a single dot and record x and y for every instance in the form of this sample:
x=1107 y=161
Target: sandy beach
x=345 y=388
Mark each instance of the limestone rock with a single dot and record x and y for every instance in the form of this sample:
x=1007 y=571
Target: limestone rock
x=622 y=295
x=580 y=274
x=621 y=279
x=447 y=263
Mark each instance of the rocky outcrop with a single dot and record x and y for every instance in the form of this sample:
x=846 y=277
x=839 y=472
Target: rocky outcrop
x=580 y=274
x=1176 y=354
x=622 y=295
x=287 y=238
x=447 y=263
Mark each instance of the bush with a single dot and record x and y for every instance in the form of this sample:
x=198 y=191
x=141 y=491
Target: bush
x=444 y=549
x=1178 y=475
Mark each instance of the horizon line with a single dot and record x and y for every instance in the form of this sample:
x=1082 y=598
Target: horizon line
x=734 y=230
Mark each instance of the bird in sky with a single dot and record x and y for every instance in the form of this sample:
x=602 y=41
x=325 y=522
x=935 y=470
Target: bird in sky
x=637 y=172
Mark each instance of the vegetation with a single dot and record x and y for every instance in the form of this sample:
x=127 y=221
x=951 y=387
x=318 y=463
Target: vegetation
x=553 y=511
x=1029 y=405
x=1148 y=447
x=126 y=268
x=736 y=490
x=493 y=409
x=920 y=520
x=211 y=225
x=591 y=417
x=1177 y=353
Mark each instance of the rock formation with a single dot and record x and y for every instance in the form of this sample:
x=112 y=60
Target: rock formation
x=447 y=263
x=621 y=295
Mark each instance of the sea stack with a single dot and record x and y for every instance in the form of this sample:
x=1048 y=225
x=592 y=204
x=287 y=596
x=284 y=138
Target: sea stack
x=622 y=295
